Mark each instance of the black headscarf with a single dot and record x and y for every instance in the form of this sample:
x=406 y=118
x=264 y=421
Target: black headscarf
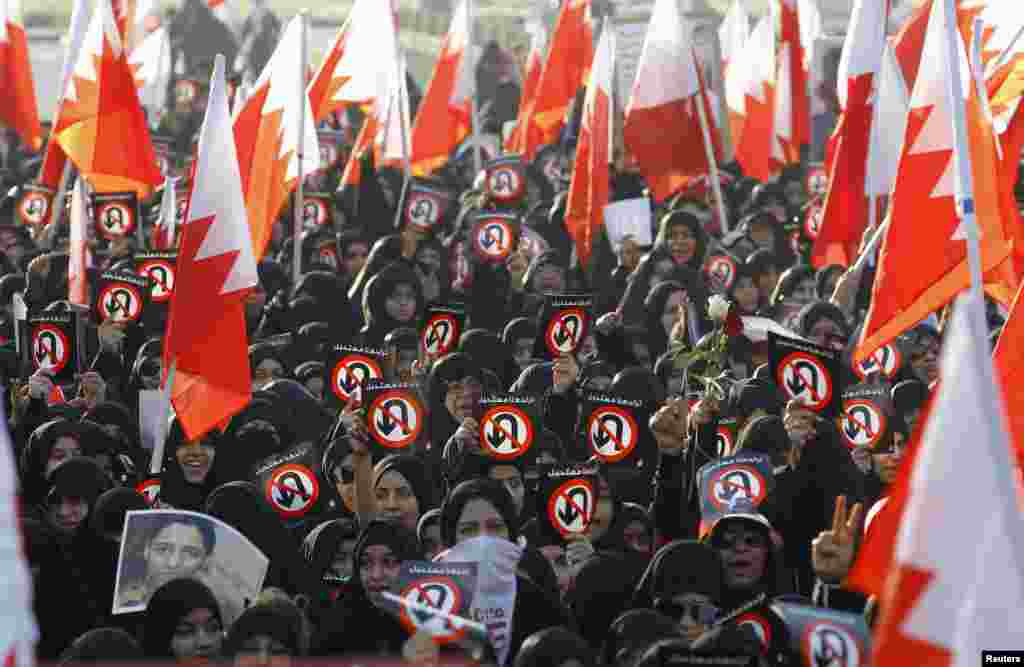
x=451 y=368
x=414 y=471
x=376 y=321
x=241 y=505
x=279 y=621
x=554 y=646
x=174 y=489
x=597 y=596
x=112 y=507
x=485 y=348
x=493 y=492
x=103 y=646
x=322 y=543
x=358 y=626
x=37 y=452
x=684 y=566
x=632 y=632
x=169 y=604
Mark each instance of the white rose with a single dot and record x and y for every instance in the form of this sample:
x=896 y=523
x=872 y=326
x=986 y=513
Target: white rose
x=718 y=308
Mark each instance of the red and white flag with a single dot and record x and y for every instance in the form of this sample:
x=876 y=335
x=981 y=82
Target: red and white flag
x=266 y=136
x=78 y=247
x=206 y=339
x=19 y=111
x=565 y=72
x=666 y=93
x=519 y=139
x=846 y=204
x=949 y=594
x=100 y=124
x=889 y=114
x=444 y=117
x=18 y=629
x=362 y=64
x=165 y=232
x=54 y=158
x=733 y=33
x=151 y=62
x=750 y=93
x=589 y=189
x=792 y=119
x=904 y=293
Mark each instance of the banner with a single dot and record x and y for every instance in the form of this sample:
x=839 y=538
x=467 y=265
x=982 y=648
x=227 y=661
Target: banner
x=395 y=415
x=614 y=427
x=567 y=500
x=121 y=296
x=431 y=594
x=317 y=210
x=34 y=204
x=744 y=480
x=867 y=414
x=348 y=368
x=116 y=214
x=505 y=179
x=427 y=204
x=807 y=373
x=494 y=236
x=442 y=329
x=290 y=483
x=565 y=322
x=509 y=425
x=53 y=346
x=822 y=636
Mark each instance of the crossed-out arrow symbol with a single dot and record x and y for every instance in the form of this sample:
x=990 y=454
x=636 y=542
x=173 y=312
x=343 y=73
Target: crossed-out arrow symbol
x=603 y=428
x=797 y=383
x=563 y=333
x=850 y=416
x=387 y=420
x=571 y=508
x=437 y=333
x=499 y=434
x=423 y=598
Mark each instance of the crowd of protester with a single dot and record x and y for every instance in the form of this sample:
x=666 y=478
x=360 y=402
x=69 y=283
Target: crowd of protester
x=646 y=579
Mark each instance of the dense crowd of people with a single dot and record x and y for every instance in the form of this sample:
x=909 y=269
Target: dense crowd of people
x=668 y=333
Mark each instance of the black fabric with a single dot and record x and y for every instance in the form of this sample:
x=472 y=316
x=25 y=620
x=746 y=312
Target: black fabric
x=681 y=567
x=102 y=645
x=356 y=626
x=241 y=505
x=492 y=491
x=168 y=605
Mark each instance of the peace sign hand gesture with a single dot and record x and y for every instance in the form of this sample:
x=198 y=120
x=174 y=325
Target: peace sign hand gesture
x=833 y=551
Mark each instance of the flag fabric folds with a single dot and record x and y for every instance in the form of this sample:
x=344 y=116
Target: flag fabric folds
x=206 y=338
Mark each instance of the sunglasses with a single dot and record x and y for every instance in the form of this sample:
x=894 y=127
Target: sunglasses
x=703 y=613
x=750 y=541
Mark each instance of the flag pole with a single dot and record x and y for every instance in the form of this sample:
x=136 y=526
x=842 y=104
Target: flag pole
x=965 y=203
x=57 y=207
x=709 y=148
x=1008 y=51
x=474 y=121
x=299 y=147
x=156 y=461
x=403 y=123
